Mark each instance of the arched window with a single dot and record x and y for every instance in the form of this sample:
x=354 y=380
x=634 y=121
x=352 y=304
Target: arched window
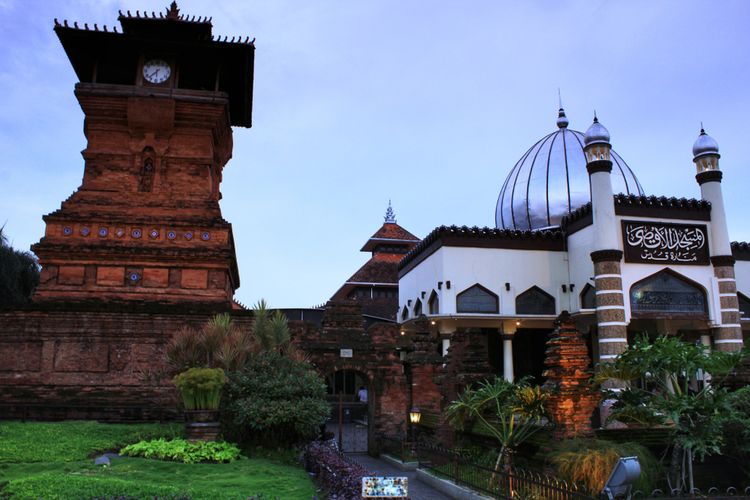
x=405 y=314
x=588 y=297
x=433 y=304
x=744 y=306
x=667 y=292
x=477 y=299
x=535 y=301
x=418 y=308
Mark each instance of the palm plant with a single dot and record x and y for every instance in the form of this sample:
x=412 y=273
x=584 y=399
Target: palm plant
x=271 y=329
x=217 y=344
x=509 y=412
x=220 y=343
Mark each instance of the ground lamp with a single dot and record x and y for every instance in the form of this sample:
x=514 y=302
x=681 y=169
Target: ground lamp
x=620 y=483
x=415 y=415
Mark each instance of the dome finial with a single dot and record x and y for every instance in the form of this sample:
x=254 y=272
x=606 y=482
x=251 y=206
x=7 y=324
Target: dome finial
x=562 y=120
x=390 y=216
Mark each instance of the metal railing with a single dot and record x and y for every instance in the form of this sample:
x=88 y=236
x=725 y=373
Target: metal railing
x=714 y=493
x=513 y=484
x=398 y=448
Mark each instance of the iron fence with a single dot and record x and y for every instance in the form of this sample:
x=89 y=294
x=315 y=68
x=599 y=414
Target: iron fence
x=714 y=493
x=516 y=484
x=397 y=448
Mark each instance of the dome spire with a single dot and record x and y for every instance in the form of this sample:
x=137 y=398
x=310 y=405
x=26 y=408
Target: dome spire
x=390 y=216
x=562 y=120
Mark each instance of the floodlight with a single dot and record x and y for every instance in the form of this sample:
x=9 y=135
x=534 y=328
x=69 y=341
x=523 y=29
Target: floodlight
x=620 y=483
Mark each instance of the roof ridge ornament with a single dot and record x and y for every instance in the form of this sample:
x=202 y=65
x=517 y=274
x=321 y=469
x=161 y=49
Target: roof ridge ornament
x=390 y=216
x=173 y=12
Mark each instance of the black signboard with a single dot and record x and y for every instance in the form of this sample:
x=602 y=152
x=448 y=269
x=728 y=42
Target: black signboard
x=665 y=243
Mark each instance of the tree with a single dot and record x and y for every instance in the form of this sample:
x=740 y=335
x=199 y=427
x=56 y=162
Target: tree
x=510 y=412
x=19 y=273
x=662 y=389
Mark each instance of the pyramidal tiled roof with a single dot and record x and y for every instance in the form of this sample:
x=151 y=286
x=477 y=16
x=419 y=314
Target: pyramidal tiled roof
x=390 y=231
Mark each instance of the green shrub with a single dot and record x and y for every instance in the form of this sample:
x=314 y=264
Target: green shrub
x=66 y=486
x=200 y=388
x=179 y=450
x=274 y=401
x=590 y=461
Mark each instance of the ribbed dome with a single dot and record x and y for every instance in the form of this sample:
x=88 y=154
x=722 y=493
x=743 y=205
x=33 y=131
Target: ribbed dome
x=550 y=181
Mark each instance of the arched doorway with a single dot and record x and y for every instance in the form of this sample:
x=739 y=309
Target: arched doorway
x=349 y=395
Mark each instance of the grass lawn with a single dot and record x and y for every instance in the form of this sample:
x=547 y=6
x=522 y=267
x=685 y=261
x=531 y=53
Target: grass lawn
x=53 y=461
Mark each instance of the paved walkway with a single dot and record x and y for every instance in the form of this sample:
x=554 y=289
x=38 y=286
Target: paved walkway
x=417 y=489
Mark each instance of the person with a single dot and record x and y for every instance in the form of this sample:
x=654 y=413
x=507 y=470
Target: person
x=362 y=394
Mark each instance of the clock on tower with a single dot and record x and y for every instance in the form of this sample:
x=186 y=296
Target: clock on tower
x=160 y=98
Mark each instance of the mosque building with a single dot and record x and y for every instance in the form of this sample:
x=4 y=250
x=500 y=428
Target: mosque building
x=620 y=264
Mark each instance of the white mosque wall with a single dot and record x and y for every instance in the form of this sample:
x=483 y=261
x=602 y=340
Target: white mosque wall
x=422 y=278
x=491 y=268
x=742 y=273
x=581 y=268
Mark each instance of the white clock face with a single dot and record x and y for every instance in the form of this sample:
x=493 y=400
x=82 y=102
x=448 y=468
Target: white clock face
x=156 y=71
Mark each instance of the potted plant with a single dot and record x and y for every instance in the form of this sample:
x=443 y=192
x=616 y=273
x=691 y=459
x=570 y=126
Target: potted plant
x=200 y=391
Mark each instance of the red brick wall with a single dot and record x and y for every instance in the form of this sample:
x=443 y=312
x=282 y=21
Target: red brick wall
x=98 y=359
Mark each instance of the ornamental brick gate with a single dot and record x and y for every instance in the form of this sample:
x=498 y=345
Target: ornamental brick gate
x=374 y=355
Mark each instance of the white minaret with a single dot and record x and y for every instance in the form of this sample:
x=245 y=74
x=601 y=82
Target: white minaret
x=599 y=165
x=727 y=331
x=706 y=158
x=607 y=254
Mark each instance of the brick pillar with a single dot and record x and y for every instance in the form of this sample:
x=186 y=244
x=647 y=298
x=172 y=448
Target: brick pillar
x=610 y=304
x=425 y=358
x=475 y=362
x=572 y=399
x=728 y=335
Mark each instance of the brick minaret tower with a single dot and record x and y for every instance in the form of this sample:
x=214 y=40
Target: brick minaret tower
x=727 y=332
x=160 y=98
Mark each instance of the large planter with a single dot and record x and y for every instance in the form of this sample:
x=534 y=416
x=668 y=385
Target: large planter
x=202 y=425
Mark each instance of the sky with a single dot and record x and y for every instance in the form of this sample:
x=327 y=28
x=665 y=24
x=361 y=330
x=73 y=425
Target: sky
x=428 y=103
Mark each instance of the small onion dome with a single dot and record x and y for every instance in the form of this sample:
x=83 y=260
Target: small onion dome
x=562 y=120
x=705 y=145
x=596 y=134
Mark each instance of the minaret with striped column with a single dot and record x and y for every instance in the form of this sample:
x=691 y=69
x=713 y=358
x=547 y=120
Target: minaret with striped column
x=607 y=254
x=727 y=334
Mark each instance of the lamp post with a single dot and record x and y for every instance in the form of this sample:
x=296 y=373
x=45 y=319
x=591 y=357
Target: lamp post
x=415 y=415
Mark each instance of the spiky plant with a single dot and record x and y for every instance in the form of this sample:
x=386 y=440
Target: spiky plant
x=510 y=412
